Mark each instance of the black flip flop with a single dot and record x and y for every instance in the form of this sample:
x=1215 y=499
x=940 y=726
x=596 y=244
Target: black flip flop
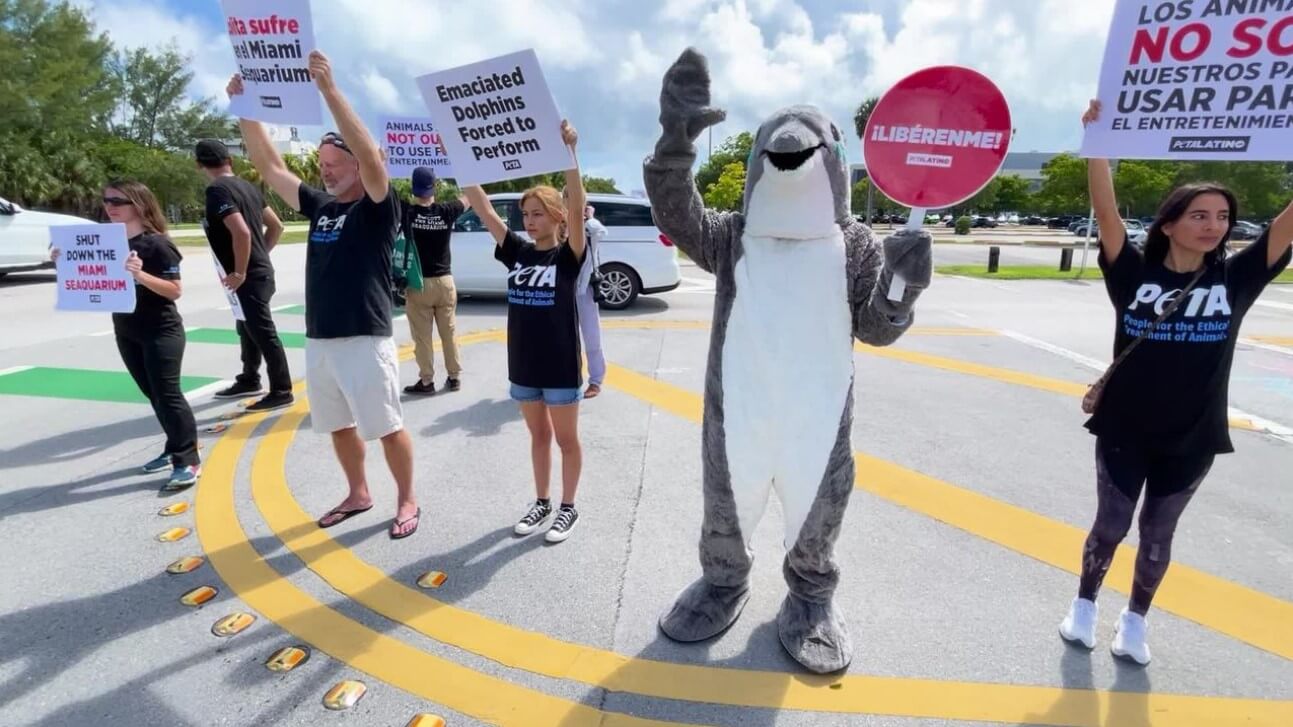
x=400 y=523
x=345 y=515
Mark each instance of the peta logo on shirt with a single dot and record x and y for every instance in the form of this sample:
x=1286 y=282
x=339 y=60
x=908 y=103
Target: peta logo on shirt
x=328 y=229
x=532 y=285
x=1203 y=302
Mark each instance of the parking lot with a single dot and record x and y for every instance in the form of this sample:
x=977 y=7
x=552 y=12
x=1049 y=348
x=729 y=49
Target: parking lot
x=960 y=549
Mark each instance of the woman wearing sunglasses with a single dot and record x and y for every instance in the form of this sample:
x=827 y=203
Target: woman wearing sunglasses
x=151 y=339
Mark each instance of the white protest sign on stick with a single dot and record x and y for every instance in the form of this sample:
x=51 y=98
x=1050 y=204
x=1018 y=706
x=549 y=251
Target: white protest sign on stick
x=91 y=268
x=1196 y=79
x=497 y=118
x=235 y=305
x=272 y=41
x=411 y=142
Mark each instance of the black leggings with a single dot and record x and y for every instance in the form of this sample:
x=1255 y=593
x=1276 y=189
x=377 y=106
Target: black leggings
x=1121 y=473
x=153 y=359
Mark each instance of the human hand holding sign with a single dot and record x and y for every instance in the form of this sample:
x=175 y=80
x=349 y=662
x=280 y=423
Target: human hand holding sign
x=684 y=108
x=134 y=265
x=569 y=136
x=234 y=87
x=321 y=72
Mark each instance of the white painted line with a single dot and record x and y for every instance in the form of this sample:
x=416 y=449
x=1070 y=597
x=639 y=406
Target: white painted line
x=14 y=370
x=1073 y=356
x=1279 y=306
x=959 y=314
x=101 y=334
x=203 y=391
x=1274 y=429
x=1267 y=346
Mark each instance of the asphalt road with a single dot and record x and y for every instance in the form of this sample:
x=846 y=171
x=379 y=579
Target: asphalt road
x=975 y=486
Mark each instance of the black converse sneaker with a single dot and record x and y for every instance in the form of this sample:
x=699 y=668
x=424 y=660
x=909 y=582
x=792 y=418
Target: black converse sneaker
x=238 y=390
x=539 y=514
x=563 y=525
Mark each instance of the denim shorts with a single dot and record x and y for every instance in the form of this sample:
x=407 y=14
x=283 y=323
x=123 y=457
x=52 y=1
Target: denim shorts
x=551 y=397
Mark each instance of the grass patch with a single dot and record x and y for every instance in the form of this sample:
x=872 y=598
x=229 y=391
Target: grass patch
x=291 y=237
x=1018 y=272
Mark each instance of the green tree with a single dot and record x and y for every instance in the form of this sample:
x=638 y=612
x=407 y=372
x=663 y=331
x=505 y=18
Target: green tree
x=733 y=149
x=1013 y=194
x=1064 y=186
x=863 y=115
x=727 y=193
x=879 y=202
x=153 y=109
x=985 y=200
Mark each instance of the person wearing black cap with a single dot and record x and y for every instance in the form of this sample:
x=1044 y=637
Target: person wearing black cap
x=351 y=365
x=428 y=224
x=241 y=230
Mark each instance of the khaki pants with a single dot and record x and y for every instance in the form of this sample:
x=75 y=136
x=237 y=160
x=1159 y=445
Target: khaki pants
x=434 y=305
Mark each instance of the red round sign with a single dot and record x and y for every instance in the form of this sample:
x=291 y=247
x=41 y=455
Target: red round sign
x=937 y=137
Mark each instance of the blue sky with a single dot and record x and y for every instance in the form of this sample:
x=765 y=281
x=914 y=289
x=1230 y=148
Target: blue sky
x=604 y=60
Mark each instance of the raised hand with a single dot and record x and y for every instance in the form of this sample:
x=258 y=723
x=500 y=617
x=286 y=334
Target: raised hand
x=569 y=135
x=685 y=112
x=321 y=71
x=234 y=87
x=1092 y=112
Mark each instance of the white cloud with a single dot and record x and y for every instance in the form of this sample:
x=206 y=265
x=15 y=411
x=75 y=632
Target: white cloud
x=605 y=59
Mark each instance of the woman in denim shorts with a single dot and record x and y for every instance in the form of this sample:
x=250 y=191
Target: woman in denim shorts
x=543 y=355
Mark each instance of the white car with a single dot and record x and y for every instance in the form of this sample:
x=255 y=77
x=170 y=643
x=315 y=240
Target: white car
x=637 y=259
x=24 y=237
x=1136 y=232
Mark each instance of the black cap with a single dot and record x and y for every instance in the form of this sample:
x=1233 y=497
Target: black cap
x=423 y=182
x=211 y=153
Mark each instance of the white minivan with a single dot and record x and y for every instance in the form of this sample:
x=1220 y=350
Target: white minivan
x=637 y=259
x=24 y=237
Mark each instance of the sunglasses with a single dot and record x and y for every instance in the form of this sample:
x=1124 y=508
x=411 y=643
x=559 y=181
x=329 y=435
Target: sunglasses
x=116 y=202
x=335 y=139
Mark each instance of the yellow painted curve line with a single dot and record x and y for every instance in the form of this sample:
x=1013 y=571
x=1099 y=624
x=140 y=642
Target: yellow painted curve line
x=1007 y=376
x=1243 y=613
x=383 y=657
x=1273 y=340
x=540 y=654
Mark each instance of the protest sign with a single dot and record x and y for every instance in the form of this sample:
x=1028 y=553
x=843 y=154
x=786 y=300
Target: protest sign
x=497 y=119
x=411 y=143
x=937 y=137
x=91 y=268
x=235 y=305
x=272 y=41
x=1196 y=79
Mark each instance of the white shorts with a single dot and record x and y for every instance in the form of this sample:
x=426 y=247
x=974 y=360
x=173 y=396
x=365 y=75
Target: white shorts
x=354 y=382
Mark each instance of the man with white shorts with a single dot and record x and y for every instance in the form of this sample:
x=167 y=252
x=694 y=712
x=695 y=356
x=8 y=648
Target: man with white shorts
x=352 y=370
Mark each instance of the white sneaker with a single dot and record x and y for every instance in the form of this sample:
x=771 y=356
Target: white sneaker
x=1078 y=627
x=1129 y=638
x=563 y=525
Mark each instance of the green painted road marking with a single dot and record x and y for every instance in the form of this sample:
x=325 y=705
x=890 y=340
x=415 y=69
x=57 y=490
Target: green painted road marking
x=230 y=336
x=291 y=310
x=84 y=384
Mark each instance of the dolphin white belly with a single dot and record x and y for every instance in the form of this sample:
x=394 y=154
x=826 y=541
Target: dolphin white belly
x=787 y=371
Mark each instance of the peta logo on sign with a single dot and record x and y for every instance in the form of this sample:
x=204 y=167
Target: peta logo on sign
x=1203 y=302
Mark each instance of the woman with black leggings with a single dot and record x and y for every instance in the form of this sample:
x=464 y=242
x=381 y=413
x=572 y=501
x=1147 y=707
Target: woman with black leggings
x=1162 y=416
x=151 y=338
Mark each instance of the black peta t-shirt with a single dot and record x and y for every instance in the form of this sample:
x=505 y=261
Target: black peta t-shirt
x=160 y=259
x=1171 y=394
x=542 y=320
x=348 y=264
x=429 y=227
x=225 y=196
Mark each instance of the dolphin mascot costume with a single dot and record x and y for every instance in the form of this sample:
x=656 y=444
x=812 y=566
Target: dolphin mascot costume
x=797 y=280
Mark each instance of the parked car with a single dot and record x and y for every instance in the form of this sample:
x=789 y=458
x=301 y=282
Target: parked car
x=1032 y=220
x=637 y=259
x=1136 y=232
x=1245 y=230
x=983 y=221
x=24 y=237
x=1064 y=221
